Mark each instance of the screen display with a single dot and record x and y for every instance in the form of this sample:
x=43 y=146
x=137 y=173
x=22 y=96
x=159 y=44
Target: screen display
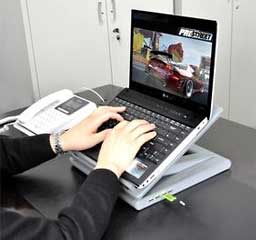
x=72 y=105
x=177 y=63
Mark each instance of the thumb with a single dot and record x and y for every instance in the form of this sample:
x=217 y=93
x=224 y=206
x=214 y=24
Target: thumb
x=101 y=136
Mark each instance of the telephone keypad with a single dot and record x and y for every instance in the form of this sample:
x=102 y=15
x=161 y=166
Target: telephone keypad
x=47 y=120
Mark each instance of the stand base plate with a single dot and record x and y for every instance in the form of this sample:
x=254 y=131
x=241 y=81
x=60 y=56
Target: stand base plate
x=173 y=184
x=196 y=166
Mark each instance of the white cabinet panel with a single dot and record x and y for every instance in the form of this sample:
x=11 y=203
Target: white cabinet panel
x=69 y=44
x=15 y=83
x=220 y=10
x=243 y=75
x=119 y=16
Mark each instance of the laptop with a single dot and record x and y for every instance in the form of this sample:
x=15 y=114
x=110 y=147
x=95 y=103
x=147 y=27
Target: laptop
x=171 y=79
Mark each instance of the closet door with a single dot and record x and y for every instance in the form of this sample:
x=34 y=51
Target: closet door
x=243 y=74
x=119 y=17
x=220 y=10
x=15 y=83
x=69 y=44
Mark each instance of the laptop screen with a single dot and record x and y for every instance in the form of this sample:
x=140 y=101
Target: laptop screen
x=172 y=58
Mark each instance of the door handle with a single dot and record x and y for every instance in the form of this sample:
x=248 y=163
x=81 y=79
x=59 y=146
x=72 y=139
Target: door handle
x=237 y=4
x=113 y=10
x=100 y=12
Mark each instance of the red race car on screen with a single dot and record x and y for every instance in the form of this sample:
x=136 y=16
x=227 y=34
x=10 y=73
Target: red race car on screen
x=176 y=76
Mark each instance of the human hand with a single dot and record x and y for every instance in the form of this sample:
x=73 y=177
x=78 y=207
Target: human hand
x=122 y=144
x=84 y=135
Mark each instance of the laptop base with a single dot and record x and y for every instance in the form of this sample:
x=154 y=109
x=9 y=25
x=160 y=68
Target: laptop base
x=196 y=166
x=86 y=163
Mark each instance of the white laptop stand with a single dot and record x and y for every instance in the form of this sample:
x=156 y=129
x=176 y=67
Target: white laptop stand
x=195 y=166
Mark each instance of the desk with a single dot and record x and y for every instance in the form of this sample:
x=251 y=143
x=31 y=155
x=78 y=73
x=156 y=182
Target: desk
x=220 y=208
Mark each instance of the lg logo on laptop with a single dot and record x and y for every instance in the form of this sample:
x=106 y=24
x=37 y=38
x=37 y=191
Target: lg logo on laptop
x=167 y=96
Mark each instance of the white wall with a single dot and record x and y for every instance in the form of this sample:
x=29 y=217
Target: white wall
x=243 y=74
x=15 y=81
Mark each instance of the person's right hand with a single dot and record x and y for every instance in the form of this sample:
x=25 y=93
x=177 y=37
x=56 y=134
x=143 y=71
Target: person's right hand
x=122 y=144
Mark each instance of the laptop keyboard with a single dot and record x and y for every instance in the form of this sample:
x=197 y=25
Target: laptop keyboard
x=169 y=132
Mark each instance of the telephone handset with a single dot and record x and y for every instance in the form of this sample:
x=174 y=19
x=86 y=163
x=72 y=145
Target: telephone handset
x=56 y=112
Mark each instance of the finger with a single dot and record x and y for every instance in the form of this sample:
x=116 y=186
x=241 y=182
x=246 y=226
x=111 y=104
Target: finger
x=101 y=136
x=142 y=129
x=144 y=138
x=113 y=109
x=108 y=115
x=135 y=123
x=121 y=125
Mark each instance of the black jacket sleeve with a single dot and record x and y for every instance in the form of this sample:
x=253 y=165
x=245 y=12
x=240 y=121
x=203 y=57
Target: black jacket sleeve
x=20 y=154
x=86 y=218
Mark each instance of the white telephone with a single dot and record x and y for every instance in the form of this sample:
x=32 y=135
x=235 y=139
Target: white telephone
x=54 y=113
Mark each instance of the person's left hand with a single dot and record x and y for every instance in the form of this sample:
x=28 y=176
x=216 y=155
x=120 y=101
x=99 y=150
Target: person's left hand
x=85 y=135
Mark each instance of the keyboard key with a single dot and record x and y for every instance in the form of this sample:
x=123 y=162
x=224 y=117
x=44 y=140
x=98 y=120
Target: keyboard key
x=165 y=126
x=165 y=151
x=175 y=130
x=160 y=139
x=170 y=136
x=177 y=139
x=188 y=128
x=161 y=132
x=183 y=134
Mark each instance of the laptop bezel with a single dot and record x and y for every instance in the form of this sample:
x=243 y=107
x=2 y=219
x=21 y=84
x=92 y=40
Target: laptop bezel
x=180 y=21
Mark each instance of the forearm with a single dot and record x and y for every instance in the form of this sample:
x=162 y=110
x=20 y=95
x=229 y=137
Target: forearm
x=91 y=209
x=20 y=154
x=86 y=218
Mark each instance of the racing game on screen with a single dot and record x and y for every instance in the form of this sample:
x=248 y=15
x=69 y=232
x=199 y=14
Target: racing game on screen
x=178 y=64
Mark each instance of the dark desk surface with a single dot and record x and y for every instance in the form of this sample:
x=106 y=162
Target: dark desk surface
x=220 y=208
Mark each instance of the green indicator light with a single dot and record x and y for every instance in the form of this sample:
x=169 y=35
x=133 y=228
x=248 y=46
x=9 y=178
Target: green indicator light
x=169 y=197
